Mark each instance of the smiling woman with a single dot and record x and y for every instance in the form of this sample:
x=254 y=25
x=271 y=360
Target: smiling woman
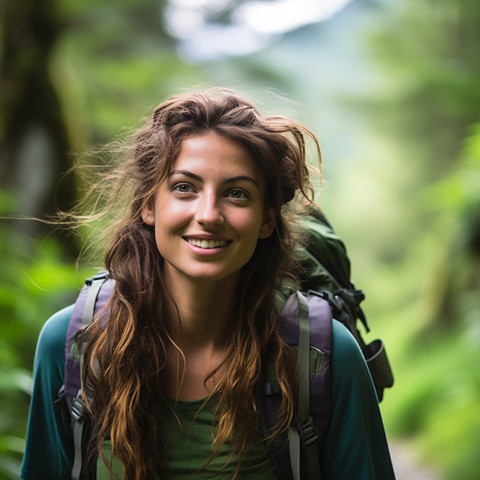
x=209 y=213
x=172 y=367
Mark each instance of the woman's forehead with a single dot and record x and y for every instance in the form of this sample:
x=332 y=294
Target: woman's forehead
x=212 y=151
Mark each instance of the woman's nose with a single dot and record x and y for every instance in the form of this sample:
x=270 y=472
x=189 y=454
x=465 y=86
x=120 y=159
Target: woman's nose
x=208 y=211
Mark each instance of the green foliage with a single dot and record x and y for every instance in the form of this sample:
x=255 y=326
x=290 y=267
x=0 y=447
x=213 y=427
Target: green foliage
x=436 y=365
x=428 y=51
x=34 y=283
x=436 y=401
x=421 y=268
x=113 y=64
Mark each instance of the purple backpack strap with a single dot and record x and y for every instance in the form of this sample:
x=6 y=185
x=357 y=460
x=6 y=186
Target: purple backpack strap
x=312 y=432
x=94 y=295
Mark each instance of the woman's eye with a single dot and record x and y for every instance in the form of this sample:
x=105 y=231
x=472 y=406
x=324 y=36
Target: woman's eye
x=237 y=194
x=183 y=188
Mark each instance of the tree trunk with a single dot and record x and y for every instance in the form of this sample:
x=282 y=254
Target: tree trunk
x=34 y=143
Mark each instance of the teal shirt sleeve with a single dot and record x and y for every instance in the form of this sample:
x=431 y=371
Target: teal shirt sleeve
x=48 y=450
x=355 y=445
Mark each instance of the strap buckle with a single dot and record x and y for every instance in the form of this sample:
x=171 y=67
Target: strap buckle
x=308 y=432
x=98 y=276
x=78 y=407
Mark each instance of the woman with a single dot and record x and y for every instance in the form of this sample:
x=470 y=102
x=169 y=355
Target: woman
x=198 y=253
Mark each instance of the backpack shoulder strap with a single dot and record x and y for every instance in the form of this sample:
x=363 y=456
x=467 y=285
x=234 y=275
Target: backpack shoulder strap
x=303 y=435
x=306 y=324
x=94 y=295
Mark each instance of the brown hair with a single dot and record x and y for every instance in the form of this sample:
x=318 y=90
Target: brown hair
x=122 y=363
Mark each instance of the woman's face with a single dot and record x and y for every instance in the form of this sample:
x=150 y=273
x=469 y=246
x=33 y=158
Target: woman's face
x=209 y=212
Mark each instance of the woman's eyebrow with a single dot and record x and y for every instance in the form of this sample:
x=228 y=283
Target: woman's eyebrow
x=241 y=177
x=187 y=173
x=194 y=176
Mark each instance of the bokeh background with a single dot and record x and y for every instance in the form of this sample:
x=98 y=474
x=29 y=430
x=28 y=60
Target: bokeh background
x=392 y=90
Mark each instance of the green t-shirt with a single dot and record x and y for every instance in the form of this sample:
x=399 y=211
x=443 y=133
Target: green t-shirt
x=187 y=434
x=355 y=444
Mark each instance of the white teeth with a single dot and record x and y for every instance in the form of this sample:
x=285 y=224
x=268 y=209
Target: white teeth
x=206 y=243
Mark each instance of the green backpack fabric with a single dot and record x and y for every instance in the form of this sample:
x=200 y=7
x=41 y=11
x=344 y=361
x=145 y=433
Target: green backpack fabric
x=326 y=269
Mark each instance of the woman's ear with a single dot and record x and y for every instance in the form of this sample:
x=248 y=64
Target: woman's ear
x=268 y=225
x=148 y=214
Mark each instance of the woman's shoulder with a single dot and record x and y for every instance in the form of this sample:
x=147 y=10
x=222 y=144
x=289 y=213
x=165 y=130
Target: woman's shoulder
x=54 y=331
x=343 y=341
x=355 y=445
x=348 y=365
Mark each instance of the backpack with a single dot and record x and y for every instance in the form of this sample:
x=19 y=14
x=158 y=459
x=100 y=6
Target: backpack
x=305 y=322
x=325 y=275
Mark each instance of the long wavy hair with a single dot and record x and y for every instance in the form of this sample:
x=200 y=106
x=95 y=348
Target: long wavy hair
x=126 y=354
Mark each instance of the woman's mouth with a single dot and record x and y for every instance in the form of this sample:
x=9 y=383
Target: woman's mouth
x=203 y=243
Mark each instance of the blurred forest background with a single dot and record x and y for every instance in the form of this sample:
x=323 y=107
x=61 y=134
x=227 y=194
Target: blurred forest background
x=391 y=89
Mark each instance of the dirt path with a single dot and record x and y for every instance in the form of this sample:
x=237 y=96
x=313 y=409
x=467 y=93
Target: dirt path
x=406 y=466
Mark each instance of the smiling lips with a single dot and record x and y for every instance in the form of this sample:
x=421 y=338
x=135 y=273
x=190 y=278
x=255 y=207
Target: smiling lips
x=203 y=243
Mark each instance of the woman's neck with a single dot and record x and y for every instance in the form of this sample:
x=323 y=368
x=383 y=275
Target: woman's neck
x=202 y=315
x=202 y=311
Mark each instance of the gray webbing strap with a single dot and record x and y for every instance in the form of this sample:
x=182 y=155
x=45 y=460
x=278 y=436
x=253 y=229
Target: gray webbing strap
x=89 y=307
x=303 y=430
x=77 y=444
x=78 y=406
x=294 y=450
x=303 y=359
